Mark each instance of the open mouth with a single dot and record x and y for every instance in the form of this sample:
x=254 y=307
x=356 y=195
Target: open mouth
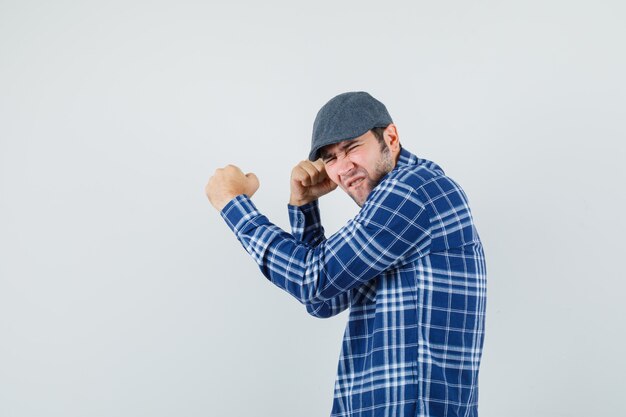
x=355 y=182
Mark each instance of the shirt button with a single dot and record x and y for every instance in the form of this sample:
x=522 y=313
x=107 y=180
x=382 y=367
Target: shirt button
x=300 y=219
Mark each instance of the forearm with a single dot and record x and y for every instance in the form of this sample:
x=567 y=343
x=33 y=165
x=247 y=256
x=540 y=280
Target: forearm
x=306 y=225
x=289 y=263
x=390 y=227
x=309 y=274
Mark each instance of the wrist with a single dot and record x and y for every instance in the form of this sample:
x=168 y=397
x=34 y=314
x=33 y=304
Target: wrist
x=298 y=202
x=223 y=202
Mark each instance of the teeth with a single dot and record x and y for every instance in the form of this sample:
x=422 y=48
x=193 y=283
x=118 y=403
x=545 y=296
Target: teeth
x=353 y=183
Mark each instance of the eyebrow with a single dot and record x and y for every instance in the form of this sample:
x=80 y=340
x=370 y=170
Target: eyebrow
x=324 y=154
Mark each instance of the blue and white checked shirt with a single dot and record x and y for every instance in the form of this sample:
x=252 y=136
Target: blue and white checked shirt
x=410 y=266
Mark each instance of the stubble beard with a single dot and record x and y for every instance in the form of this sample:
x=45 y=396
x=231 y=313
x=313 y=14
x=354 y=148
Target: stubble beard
x=384 y=165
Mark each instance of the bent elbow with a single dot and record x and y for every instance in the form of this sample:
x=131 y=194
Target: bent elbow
x=319 y=310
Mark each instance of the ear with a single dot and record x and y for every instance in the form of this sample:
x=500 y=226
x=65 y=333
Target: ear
x=391 y=137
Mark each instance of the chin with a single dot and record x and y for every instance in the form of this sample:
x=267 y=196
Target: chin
x=360 y=199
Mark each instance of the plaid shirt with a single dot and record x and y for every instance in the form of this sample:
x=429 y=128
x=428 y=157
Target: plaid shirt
x=410 y=266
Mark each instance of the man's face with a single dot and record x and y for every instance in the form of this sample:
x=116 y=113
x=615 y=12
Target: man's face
x=357 y=165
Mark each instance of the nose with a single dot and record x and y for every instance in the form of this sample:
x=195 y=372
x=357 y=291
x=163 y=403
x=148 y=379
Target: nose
x=345 y=166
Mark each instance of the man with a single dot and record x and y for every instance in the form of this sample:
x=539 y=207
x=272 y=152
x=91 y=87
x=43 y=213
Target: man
x=410 y=265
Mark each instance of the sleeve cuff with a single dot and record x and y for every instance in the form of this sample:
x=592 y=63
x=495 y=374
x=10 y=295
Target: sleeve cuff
x=238 y=211
x=299 y=216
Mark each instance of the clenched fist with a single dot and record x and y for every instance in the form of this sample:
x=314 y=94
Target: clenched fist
x=309 y=181
x=229 y=182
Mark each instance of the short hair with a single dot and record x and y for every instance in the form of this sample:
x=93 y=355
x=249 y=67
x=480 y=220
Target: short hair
x=379 y=133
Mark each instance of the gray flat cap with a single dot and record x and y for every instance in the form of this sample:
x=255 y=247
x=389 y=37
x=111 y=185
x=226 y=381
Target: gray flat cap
x=347 y=116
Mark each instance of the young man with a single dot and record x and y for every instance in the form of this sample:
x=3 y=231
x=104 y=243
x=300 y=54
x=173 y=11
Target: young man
x=410 y=265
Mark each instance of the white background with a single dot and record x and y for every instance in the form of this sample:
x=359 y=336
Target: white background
x=122 y=291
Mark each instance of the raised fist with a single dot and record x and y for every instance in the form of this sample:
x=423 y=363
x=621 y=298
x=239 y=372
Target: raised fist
x=309 y=181
x=229 y=182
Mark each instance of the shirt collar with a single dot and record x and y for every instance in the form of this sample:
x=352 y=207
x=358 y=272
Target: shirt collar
x=406 y=158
